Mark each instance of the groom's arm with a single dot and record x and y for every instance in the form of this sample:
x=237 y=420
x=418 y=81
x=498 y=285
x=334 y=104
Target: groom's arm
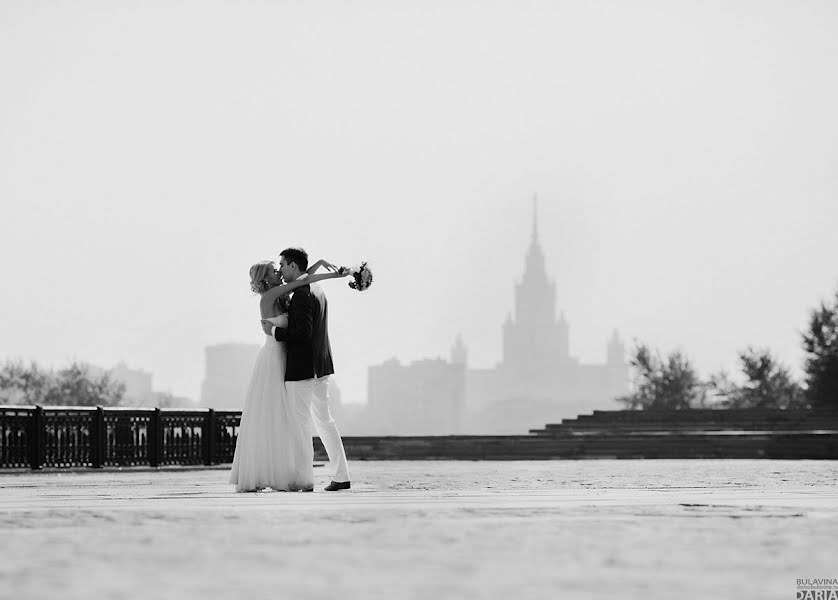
x=301 y=328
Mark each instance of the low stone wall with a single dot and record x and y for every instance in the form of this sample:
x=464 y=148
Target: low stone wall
x=531 y=447
x=704 y=433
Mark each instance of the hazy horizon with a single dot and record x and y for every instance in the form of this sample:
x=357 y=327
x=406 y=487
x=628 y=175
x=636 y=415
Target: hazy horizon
x=684 y=156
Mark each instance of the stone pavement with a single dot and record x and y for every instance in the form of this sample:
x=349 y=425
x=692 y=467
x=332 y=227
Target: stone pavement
x=576 y=529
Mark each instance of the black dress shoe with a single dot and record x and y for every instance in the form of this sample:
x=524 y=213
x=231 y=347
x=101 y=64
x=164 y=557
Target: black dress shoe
x=311 y=489
x=337 y=485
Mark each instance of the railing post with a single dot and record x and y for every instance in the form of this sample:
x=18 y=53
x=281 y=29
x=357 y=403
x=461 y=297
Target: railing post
x=38 y=439
x=209 y=437
x=155 y=438
x=99 y=439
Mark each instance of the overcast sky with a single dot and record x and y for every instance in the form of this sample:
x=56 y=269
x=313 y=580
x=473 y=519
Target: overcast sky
x=684 y=155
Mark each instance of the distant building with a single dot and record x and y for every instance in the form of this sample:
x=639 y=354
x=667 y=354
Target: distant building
x=139 y=391
x=536 y=382
x=425 y=397
x=351 y=418
x=136 y=381
x=227 y=374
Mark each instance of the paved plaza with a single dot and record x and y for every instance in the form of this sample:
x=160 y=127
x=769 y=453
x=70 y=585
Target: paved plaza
x=700 y=529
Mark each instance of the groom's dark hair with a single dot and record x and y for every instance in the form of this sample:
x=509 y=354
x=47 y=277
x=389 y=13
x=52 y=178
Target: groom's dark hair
x=296 y=255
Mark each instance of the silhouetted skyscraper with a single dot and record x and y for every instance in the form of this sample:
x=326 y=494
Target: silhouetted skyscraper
x=534 y=342
x=537 y=380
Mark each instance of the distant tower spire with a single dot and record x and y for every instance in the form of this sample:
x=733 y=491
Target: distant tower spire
x=458 y=351
x=616 y=350
x=535 y=268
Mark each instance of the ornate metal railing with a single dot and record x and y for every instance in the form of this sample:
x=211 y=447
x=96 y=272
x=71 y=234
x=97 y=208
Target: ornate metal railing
x=60 y=436
x=36 y=437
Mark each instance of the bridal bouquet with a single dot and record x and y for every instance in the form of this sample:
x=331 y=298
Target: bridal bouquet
x=361 y=277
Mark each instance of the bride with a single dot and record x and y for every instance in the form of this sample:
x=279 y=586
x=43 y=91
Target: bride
x=274 y=447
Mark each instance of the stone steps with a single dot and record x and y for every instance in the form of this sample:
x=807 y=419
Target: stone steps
x=695 y=420
x=768 y=445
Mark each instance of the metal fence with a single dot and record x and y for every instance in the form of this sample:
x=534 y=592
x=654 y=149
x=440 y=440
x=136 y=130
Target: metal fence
x=57 y=436
x=36 y=437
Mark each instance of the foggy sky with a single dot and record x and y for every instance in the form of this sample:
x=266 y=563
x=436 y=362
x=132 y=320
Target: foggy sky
x=684 y=155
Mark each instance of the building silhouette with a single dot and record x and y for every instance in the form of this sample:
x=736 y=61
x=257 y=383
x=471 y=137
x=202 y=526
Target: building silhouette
x=227 y=372
x=425 y=397
x=138 y=387
x=537 y=381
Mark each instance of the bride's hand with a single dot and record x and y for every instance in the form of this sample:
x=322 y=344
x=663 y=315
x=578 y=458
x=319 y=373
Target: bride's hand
x=328 y=266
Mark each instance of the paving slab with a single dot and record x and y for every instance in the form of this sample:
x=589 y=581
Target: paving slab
x=427 y=529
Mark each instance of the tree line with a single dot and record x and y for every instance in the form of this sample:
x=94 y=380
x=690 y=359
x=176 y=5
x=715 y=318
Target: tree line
x=672 y=382
x=75 y=385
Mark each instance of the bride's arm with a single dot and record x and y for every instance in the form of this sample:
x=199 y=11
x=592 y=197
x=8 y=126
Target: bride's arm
x=275 y=292
x=321 y=263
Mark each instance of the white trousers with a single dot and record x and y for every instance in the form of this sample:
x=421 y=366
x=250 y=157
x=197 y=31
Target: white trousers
x=310 y=401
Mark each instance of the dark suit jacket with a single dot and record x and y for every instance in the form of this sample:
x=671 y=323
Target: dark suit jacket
x=307 y=336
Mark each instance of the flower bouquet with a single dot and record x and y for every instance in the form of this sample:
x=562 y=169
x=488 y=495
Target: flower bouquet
x=361 y=276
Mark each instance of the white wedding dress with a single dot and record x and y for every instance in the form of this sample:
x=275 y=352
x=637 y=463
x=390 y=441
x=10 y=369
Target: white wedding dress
x=274 y=447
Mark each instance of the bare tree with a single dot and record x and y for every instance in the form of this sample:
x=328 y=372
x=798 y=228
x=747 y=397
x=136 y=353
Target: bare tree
x=671 y=383
x=768 y=384
x=22 y=384
x=821 y=345
x=75 y=385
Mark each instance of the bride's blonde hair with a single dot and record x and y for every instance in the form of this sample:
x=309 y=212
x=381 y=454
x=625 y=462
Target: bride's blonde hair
x=259 y=276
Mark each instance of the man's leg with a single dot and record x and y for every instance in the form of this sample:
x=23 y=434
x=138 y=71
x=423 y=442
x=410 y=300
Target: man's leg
x=328 y=430
x=299 y=401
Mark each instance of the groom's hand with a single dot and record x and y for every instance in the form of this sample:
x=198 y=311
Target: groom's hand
x=267 y=326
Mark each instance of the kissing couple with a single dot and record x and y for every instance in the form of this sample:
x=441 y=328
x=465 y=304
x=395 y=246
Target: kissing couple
x=288 y=389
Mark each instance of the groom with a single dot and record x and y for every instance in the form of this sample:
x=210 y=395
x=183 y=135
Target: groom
x=309 y=360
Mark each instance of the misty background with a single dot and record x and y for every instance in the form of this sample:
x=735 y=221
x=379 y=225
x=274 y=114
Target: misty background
x=684 y=155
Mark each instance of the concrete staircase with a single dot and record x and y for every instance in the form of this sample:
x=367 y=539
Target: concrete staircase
x=698 y=433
